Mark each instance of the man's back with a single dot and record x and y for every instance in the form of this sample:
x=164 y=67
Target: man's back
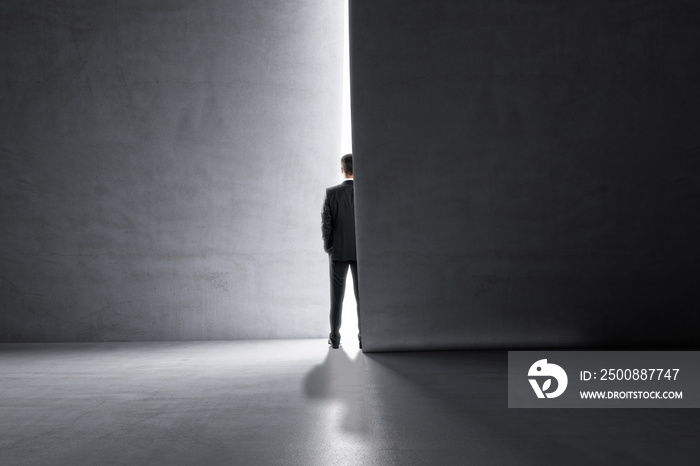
x=338 y=222
x=338 y=230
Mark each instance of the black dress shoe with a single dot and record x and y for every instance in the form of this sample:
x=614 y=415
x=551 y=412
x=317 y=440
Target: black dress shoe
x=332 y=345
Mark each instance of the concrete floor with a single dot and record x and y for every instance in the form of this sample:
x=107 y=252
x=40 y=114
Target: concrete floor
x=295 y=402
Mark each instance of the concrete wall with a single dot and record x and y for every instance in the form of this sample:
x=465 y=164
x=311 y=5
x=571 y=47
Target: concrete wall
x=527 y=172
x=163 y=165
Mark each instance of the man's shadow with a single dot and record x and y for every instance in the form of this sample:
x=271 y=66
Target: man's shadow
x=340 y=379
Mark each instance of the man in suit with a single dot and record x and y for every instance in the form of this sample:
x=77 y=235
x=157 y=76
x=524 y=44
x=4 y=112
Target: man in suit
x=338 y=228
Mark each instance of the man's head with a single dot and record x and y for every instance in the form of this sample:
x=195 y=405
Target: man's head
x=346 y=165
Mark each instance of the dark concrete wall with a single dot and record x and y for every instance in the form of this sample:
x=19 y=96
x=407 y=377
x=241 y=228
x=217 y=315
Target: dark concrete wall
x=163 y=165
x=527 y=172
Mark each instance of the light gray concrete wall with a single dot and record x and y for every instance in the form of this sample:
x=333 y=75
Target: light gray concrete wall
x=162 y=168
x=527 y=172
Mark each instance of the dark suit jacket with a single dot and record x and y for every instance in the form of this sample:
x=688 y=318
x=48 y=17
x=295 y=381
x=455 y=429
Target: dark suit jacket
x=338 y=222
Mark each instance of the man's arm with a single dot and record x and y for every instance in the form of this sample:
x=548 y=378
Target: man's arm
x=327 y=224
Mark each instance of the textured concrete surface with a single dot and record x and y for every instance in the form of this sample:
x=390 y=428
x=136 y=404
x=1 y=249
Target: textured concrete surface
x=526 y=172
x=163 y=166
x=297 y=403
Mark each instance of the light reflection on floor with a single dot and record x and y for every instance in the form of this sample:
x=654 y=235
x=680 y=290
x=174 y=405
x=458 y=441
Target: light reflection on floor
x=298 y=402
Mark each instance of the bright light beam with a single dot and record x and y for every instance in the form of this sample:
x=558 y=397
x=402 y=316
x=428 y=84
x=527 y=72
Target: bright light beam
x=348 y=329
x=346 y=137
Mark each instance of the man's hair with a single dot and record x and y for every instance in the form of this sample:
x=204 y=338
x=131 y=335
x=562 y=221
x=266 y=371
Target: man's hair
x=346 y=164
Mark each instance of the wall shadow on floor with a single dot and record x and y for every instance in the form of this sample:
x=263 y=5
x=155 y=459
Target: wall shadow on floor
x=455 y=404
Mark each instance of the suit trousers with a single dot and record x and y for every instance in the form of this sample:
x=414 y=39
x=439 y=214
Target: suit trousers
x=339 y=272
